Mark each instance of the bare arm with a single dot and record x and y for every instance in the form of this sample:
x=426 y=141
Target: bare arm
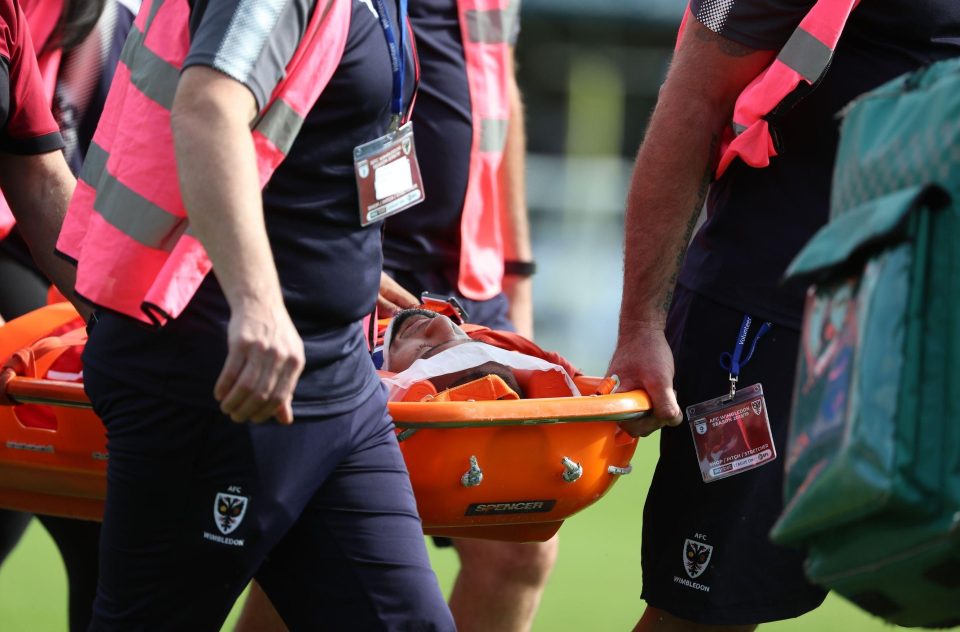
x=216 y=163
x=668 y=188
x=514 y=222
x=38 y=189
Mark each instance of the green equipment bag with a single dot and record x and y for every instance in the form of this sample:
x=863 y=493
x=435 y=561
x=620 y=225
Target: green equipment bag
x=872 y=485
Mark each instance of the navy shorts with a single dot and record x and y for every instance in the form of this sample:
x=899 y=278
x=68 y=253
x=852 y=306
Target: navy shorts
x=320 y=512
x=747 y=579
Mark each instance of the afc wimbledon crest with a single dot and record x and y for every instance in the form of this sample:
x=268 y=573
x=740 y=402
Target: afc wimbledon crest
x=701 y=426
x=757 y=406
x=363 y=168
x=228 y=511
x=696 y=556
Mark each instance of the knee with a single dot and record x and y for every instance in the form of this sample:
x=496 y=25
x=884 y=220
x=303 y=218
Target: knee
x=528 y=563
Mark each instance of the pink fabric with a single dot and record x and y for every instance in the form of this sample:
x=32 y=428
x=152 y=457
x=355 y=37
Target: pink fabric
x=120 y=273
x=481 y=239
x=6 y=219
x=825 y=22
x=754 y=145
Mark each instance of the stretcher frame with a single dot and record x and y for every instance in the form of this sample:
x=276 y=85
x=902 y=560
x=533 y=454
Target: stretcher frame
x=502 y=470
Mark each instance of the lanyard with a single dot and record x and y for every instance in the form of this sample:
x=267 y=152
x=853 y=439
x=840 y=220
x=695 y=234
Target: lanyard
x=733 y=362
x=397 y=57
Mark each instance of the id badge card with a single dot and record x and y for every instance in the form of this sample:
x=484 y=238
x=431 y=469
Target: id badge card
x=732 y=435
x=388 y=175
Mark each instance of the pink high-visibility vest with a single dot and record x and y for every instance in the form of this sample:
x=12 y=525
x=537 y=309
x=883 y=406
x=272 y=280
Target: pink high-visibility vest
x=486 y=27
x=126 y=226
x=802 y=61
x=42 y=18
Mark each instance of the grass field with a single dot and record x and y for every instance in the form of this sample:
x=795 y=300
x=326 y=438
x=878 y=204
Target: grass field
x=595 y=587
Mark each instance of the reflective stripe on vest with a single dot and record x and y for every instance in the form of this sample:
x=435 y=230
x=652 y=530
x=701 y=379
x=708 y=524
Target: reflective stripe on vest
x=126 y=226
x=487 y=28
x=804 y=58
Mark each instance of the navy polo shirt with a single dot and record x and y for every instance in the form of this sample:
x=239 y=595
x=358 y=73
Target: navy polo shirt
x=427 y=237
x=759 y=219
x=329 y=266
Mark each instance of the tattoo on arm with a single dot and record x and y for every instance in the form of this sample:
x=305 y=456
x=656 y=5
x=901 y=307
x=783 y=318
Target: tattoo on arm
x=691 y=223
x=727 y=46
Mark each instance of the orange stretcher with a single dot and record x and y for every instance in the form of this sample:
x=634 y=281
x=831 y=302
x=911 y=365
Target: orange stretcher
x=505 y=470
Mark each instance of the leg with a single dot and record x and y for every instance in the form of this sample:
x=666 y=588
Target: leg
x=170 y=557
x=23 y=291
x=258 y=614
x=745 y=578
x=356 y=558
x=12 y=526
x=498 y=588
x=500 y=583
x=77 y=541
x=656 y=620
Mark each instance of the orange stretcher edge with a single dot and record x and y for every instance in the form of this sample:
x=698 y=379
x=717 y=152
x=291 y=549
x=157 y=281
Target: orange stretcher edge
x=502 y=470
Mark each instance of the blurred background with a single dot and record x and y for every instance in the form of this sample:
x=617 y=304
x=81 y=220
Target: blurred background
x=589 y=71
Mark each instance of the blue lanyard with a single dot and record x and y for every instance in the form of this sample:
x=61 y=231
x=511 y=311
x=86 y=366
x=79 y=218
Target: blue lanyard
x=733 y=362
x=397 y=56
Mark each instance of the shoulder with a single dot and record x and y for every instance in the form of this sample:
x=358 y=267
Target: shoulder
x=759 y=24
x=250 y=41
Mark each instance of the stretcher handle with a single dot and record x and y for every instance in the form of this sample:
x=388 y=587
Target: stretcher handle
x=526 y=421
x=29 y=390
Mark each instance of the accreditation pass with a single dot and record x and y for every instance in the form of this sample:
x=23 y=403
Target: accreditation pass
x=388 y=175
x=732 y=435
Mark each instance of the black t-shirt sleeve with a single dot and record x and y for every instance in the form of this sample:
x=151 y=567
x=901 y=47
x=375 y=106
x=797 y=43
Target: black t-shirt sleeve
x=4 y=91
x=249 y=40
x=759 y=24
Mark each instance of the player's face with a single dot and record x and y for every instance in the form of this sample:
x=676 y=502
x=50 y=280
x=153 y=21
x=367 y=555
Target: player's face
x=420 y=333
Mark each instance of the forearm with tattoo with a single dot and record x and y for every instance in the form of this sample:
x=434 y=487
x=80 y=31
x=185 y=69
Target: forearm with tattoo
x=691 y=224
x=674 y=167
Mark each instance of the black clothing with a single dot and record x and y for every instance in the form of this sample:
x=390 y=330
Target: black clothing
x=748 y=579
x=428 y=236
x=760 y=218
x=329 y=266
x=325 y=519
